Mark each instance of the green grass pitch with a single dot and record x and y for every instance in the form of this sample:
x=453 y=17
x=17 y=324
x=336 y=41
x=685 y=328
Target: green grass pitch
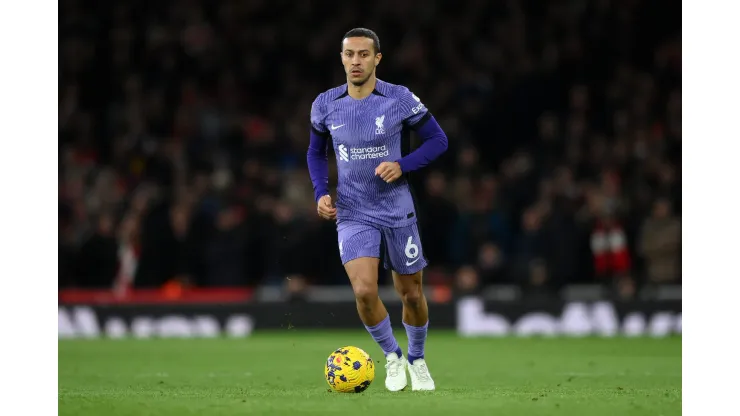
x=282 y=373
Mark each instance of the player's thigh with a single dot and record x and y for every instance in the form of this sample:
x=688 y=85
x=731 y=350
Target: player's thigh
x=403 y=249
x=359 y=249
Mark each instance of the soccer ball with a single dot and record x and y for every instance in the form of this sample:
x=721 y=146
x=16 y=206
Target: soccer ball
x=349 y=370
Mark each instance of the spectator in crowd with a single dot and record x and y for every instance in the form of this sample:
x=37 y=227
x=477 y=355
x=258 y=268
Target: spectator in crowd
x=98 y=257
x=660 y=244
x=467 y=281
x=529 y=266
x=491 y=264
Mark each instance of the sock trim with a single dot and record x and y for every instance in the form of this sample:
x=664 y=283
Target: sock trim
x=426 y=325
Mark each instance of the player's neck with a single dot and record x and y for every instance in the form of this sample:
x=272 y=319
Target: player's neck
x=362 y=91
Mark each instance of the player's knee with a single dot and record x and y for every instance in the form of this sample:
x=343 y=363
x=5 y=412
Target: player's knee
x=362 y=272
x=411 y=296
x=365 y=292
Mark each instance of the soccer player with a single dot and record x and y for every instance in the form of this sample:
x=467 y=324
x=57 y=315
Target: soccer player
x=368 y=121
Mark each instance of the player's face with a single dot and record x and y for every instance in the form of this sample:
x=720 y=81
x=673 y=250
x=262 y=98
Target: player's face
x=359 y=59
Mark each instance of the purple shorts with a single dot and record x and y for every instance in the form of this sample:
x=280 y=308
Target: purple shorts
x=400 y=248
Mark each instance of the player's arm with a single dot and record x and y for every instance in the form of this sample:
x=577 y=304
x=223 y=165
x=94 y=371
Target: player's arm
x=433 y=144
x=433 y=139
x=317 y=159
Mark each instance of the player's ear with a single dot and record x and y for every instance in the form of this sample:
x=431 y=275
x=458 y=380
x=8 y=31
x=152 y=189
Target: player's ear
x=378 y=57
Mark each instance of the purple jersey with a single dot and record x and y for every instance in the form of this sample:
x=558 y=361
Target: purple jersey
x=366 y=133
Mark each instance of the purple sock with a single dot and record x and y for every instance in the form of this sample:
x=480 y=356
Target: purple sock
x=383 y=334
x=417 y=338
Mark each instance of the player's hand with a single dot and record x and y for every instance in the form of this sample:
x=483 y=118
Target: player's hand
x=388 y=171
x=325 y=208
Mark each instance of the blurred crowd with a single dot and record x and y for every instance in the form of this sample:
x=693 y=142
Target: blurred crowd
x=183 y=129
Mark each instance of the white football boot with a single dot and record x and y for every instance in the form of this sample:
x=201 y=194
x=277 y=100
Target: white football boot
x=395 y=372
x=420 y=377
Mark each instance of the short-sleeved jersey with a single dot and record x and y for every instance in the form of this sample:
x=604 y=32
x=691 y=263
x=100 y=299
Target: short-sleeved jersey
x=365 y=133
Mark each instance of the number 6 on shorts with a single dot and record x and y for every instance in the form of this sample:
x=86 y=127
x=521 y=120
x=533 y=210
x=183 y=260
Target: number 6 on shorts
x=403 y=250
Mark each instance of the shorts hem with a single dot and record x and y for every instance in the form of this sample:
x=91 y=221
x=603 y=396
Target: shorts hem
x=413 y=269
x=358 y=257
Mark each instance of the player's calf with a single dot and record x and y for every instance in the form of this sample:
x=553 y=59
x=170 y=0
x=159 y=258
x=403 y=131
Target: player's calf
x=414 y=302
x=369 y=305
x=363 y=275
x=416 y=322
x=415 y=312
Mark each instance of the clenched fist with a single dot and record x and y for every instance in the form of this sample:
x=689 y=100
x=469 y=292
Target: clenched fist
x=388 y=171
x=325 y=209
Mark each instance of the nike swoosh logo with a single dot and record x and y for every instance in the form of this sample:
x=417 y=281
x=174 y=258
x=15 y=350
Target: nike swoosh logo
x=333 y=127
x=409 y=263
